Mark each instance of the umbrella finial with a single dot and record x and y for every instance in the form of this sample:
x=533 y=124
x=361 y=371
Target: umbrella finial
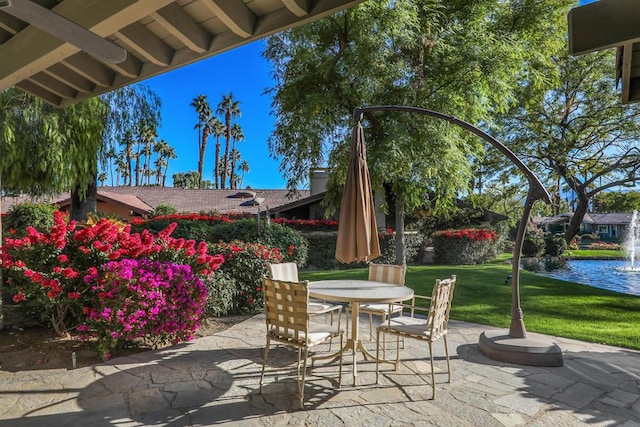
x=357 y=115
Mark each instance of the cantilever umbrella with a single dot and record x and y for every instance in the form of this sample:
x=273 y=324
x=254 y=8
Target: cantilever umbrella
x=357 y=230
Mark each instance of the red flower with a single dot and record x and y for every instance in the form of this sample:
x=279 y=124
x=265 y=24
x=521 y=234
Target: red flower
x=74 y=295
x=19 y=297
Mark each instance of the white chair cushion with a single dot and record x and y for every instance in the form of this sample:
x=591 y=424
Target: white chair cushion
x=381 y=308
x=408 y=325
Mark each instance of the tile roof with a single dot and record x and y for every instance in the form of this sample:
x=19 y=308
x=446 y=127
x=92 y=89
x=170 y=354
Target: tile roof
x=143 y=199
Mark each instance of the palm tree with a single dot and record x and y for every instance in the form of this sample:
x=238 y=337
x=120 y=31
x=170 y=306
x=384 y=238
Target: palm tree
x=218 y=130
x=127 y=141
x=146 y=135
x=229 y=108
x=102 y=177
x=110 y=157
x=122 y=168
x=165 y=153
x=244 y=168
x=237 y=136
x=203 y=110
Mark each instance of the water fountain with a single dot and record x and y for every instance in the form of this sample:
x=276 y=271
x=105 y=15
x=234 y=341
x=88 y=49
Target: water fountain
x=633 y=240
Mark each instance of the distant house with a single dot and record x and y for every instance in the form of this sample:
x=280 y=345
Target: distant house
x=607 y=225
x=129 y=202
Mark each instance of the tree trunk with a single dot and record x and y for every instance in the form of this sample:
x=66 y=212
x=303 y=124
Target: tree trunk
x=82 y=206
x=401 y=258
x=578 y=216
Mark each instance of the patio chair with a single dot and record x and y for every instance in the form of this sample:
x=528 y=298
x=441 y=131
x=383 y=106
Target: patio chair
x=286 y=306
x=428 y=328
x=288 y=271
x=385 y=273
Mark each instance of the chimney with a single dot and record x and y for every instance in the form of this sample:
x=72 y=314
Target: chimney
x=318 y=180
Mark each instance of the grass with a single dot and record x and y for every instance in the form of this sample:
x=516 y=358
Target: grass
x=596 y=254
x=550 y=306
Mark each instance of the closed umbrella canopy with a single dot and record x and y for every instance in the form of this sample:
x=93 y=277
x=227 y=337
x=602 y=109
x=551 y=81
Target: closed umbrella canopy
x=357 y=231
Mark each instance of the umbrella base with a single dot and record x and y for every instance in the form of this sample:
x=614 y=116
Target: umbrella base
x=534 y=350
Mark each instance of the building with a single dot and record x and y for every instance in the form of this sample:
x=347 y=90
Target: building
x=129 y=202
x=607 y=225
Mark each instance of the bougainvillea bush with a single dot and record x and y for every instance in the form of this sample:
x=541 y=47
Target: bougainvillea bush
x=157 y=301
x=463 y=247
x=45 y=271
x=247 y=263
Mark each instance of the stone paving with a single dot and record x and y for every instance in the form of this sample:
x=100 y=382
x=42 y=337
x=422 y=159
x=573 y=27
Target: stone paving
x=214 y=380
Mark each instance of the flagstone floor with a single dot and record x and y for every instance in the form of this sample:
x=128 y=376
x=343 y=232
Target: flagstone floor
x=214 y=381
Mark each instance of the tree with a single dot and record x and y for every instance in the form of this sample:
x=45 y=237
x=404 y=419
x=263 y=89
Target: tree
x=455 y=57
x=237 y=136
x=244 y=168
x=204 y=127
x=576 y=131
x=164 y=153
x=614 y=201
x=218 y=130
x=189 y=180
x=102 y=178
x=229 y=108
x=127 y=142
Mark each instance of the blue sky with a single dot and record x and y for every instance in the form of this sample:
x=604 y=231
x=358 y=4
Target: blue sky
x=241 y=71
x=244 y=73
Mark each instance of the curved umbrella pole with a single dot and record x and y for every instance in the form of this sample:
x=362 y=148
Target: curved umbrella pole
x=516 y=346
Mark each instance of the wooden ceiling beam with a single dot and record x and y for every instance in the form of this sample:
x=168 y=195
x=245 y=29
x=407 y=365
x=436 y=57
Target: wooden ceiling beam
x=299 y=8
x=38 y=91
x=70 y=78
x=142 y=41
x=101 y=17
x=54 y=86
x=90 y=69
x=131 y=67
x=183 y=27
x=235 y=15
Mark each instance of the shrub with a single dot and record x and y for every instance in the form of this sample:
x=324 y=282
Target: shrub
x=45 y=271
x=555 y=246
x=466 y=246
x=185 y=228
x=531 y=264
x=247 y=263
x=159 y=302
x=292 y=246
x=412 y=246
x=222 y=291
x=605 y=246
x=162 y=209
x=533 y=244
x=308 y=224
x=23 y=215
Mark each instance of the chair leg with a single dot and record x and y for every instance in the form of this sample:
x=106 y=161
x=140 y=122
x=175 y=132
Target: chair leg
x=331 y=323
x=446 y=351
x=340 y=369
x=264 y=362
x=304 y=372
x=370 y=327
x=395 y=367
x=378 y=353
x=433 y=374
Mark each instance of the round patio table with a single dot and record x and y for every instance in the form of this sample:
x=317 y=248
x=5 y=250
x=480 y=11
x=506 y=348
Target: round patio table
x=355 y=292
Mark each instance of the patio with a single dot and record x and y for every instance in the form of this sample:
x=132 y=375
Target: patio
x=214 y=380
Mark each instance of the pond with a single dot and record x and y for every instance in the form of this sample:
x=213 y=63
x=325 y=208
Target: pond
x=613 y=275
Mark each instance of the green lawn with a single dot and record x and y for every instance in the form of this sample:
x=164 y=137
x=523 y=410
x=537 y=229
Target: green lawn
x=550 y=306
x=596 y=254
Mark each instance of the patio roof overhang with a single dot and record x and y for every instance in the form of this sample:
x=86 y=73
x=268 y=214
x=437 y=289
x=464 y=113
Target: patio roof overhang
x=607 y=24
x=158 y=36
